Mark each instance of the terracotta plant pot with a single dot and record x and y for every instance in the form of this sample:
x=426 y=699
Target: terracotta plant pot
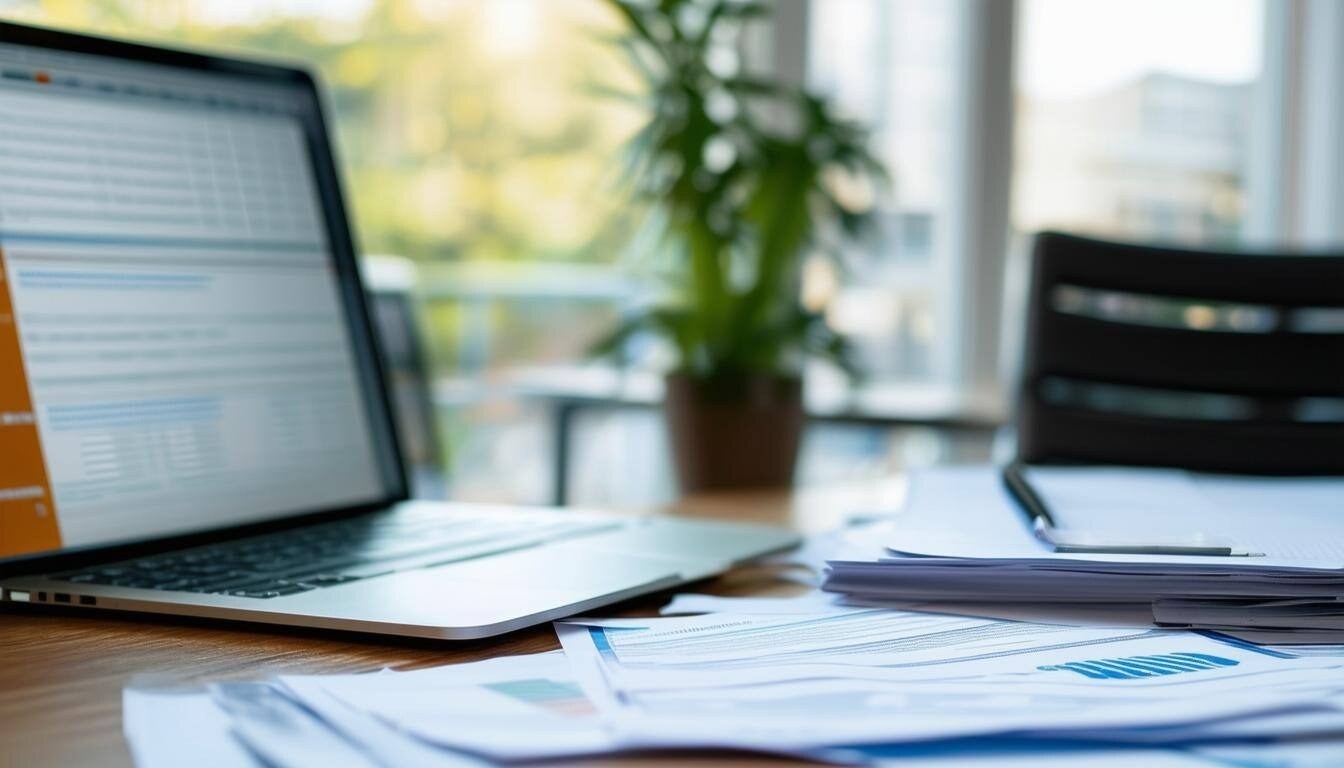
x=734 y=432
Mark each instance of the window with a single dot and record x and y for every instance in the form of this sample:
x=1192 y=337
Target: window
x=891 y=64
x=477 y=159
x=1128 y=128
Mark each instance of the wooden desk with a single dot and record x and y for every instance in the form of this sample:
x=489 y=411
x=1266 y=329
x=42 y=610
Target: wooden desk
x=61 y=675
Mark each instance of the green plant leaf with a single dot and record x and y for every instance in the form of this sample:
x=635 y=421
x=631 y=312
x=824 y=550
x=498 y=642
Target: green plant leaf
x=750 y=215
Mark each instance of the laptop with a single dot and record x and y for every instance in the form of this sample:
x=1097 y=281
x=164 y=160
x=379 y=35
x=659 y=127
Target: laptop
x=193 y=418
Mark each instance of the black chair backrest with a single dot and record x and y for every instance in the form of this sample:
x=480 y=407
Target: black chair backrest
x=407 y=377
x=1223 y=362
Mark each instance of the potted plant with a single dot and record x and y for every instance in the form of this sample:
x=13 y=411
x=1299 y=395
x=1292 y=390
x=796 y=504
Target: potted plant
x=745 y=178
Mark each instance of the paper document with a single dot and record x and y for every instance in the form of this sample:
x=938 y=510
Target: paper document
x=259 y=725
x=1280 y=516
x=732 y=649
x=478 y=708
x=173 y=728
x=1021 y=753
x=855 y=541
x=285 y=734
x=964 y=512
x=1133 y=615
x=962 y=539
x=809 y=603
x=799 y=682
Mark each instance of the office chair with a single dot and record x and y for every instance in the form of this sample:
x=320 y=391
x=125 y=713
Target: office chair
x=407 y=376
x=1154 y=356
x=391 y=284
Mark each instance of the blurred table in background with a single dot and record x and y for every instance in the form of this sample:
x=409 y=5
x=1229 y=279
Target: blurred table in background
x=481 y=425
x=568 y=392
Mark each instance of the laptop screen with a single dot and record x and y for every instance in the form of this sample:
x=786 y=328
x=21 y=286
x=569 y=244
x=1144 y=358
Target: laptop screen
x=179 y=343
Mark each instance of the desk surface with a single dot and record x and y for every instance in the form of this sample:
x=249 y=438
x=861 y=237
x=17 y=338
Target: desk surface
x=61 y=675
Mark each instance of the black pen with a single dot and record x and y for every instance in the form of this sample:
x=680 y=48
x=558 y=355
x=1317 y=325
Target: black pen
x=1031 y=504
x=1043 y=524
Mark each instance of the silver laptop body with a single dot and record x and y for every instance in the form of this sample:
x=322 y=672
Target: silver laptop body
x=192 y=413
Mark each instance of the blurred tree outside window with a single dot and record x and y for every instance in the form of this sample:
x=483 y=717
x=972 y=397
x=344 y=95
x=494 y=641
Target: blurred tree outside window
x=474 y=144
x=466 y=130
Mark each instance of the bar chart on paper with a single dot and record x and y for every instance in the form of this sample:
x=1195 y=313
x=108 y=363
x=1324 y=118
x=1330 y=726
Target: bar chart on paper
x=1136 y=667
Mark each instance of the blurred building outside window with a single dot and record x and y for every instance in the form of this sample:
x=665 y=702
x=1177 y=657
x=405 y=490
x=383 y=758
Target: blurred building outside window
x=1134 y=117
x=1124 y=128
x=892 y=65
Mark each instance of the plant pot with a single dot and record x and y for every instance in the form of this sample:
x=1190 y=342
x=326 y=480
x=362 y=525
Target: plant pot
x=734 y=431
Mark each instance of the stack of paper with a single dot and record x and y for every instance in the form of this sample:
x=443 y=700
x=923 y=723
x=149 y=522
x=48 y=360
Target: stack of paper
x=1301 y=614
x=962 y=538
x=804 y=678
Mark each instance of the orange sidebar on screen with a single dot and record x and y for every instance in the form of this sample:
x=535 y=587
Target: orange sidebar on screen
x=27 y=511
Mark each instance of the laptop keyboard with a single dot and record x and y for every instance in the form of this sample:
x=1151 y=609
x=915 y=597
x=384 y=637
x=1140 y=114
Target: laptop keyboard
x=290 y=562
